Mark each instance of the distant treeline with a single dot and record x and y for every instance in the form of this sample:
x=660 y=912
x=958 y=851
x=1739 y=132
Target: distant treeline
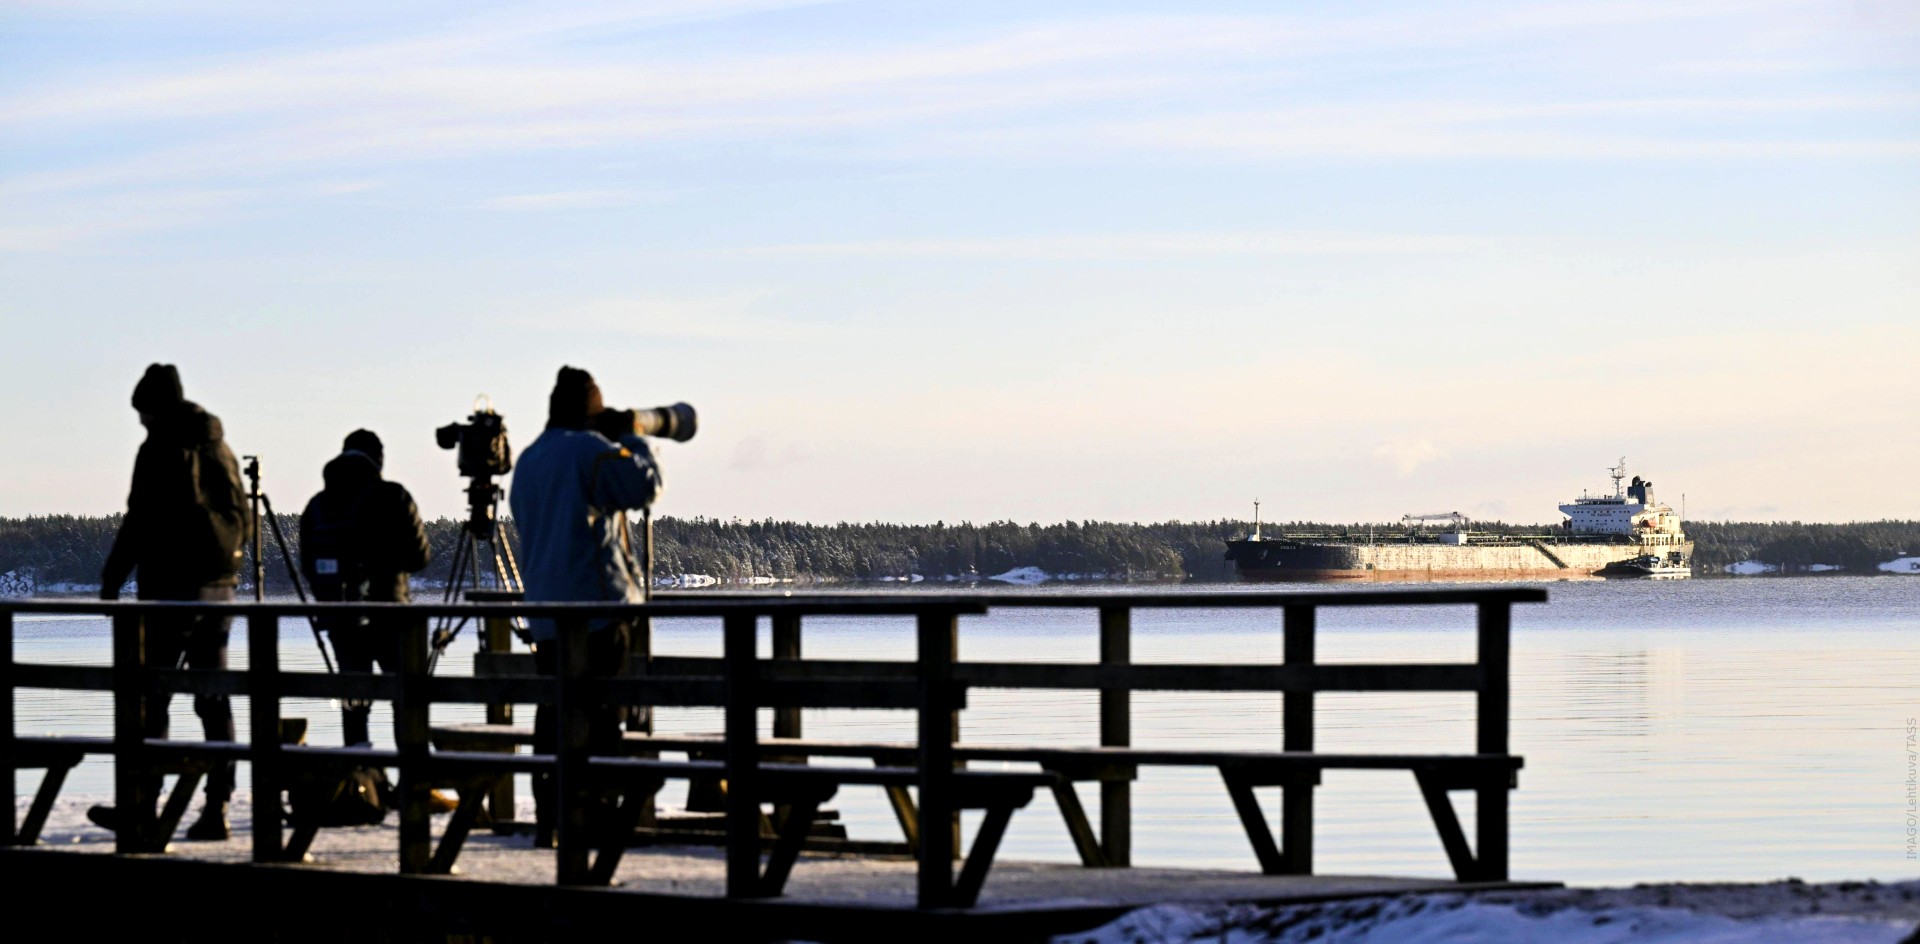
x=38 y=553
x=1859 y=546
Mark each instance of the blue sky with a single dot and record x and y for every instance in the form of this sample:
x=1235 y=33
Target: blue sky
x=1039 y=261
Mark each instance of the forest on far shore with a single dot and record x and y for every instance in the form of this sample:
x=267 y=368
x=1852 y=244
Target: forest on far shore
x=66 y=551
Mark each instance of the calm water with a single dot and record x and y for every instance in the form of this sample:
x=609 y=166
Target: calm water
x=1729 y=729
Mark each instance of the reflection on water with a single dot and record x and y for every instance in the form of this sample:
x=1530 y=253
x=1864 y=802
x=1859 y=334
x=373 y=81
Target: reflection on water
x=1673 y=730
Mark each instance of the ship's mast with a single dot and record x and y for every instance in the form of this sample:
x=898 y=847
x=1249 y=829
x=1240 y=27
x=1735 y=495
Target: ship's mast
x=1619 y=472
x=1256 y=519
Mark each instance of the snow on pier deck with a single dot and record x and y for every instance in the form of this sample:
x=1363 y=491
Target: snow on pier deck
x=1026 y=900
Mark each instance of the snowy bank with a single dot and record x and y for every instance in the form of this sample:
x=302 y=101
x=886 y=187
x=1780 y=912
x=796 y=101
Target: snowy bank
x=1024 y=576
x=1842 y=913
x=1787 y=911
x=1902 y=565
x=1749 y=568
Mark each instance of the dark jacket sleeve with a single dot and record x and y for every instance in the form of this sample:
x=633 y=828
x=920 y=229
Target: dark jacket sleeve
x=412 y=552
x=120 y=559
x=306 y=533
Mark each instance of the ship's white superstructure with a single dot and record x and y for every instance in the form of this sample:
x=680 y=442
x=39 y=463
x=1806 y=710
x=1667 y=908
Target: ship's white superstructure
x=1631 y=511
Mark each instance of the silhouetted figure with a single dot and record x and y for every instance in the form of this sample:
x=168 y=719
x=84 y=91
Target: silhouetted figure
x=359 y=539
x=186 y=523
x=571 y=491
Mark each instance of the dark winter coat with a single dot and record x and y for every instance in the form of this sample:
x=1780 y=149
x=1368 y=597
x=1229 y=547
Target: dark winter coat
x=380 y=528
x=187 y=518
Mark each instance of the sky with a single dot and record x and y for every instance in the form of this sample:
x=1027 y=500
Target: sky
x=1033 y=261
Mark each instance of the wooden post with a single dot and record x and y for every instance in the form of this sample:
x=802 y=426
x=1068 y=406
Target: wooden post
x=742 y=757
x=7 y=755
x=786 y=719
x=640 y=664
x=1490 y=822
x=263 y=735
x=133 y=798
x=1296 y=798
x=496 y=635
x=574 y=706
x=1116 y=730
x=410 y=714
x=938 y=638
x=786 y=645
x=641 y=639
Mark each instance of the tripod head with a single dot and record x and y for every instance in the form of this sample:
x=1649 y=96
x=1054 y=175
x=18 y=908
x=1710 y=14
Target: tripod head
x=252 y=471
x=483 y=507
x=483 y=526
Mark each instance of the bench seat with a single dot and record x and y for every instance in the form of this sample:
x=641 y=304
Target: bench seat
x=1241 y=771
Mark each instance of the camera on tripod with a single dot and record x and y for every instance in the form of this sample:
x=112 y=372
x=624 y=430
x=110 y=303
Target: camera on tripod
x=481 y=441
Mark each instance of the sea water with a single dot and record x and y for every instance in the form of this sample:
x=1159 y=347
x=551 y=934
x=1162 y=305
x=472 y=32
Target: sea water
x=1730 y=729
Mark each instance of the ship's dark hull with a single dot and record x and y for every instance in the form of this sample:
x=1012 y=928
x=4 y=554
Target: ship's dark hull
x=1400 y=561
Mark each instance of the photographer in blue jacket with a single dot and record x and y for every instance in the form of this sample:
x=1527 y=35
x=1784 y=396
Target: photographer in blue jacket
x=572 y=489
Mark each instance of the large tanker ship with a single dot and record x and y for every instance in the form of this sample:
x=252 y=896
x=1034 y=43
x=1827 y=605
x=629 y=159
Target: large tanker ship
x=1625 y=534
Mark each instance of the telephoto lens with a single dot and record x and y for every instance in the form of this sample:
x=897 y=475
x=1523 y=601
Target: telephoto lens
x=677 y=422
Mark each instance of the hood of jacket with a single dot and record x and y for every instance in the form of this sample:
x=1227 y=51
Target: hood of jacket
x=349 y=472
x=188 y=426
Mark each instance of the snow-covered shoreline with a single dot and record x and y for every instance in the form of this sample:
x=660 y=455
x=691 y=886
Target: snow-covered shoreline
x=1784 y=911
x=1864 y=912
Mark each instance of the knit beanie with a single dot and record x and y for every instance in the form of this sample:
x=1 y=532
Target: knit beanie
x=364 y=441
x=159 y=390
x=575 y=399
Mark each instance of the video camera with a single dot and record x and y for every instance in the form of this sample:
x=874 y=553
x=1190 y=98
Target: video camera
x=481 y=441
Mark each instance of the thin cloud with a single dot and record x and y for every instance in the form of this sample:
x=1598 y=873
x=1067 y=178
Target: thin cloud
x=570 y=200
x=466 y=72
x=1407 y=455
x=1139 y=245
x=1073 y=89
x=1453 y=130
x=75 y=225
x=725 y=317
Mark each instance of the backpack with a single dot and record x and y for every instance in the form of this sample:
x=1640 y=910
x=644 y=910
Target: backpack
x=331 y=552
x=361 y=798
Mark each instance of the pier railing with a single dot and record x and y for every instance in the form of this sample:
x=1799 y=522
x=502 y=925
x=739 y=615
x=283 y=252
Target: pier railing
x=933 y=685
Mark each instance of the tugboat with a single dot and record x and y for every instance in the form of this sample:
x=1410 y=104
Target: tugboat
x=1671 y=567
x=1625 y=534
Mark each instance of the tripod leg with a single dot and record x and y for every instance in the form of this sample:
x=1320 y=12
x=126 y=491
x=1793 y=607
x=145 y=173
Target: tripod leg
x=500 y=563
x=473 y=567
x=513 y=576
x=456 y=574
x=455 y=566
x=293 y=573
x=513 y=566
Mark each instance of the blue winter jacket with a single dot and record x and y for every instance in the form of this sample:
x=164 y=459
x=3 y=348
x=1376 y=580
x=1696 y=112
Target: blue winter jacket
x=571 y=491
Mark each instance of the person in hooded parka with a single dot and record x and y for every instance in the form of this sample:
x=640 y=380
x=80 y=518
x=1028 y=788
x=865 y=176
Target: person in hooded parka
x=181 y=539
x=360 y=538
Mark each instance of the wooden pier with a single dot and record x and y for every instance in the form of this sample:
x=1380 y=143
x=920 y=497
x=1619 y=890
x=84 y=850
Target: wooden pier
x=762 y=883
